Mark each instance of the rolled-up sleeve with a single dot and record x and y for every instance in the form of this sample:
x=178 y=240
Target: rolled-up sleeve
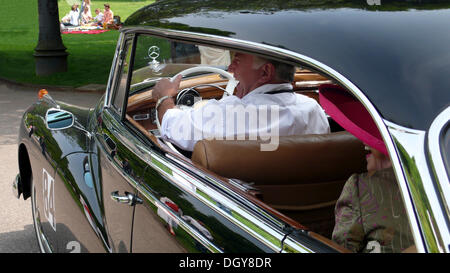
x=173 y=124
x=184 y=127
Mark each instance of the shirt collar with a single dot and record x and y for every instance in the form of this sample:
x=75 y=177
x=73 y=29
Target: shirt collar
x=271 y=87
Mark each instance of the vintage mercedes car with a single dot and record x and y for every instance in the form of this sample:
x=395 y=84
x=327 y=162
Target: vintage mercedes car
x=103 y=180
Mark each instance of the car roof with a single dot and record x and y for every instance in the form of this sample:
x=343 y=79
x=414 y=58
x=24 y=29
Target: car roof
x=397 y=53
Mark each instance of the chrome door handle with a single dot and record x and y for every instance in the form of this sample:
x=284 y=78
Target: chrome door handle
x=128 y=198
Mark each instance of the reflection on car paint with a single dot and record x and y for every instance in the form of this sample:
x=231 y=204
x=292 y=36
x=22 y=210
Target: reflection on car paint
x=183 y=180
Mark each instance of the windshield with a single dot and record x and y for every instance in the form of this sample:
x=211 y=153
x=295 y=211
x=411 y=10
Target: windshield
x=156 y=58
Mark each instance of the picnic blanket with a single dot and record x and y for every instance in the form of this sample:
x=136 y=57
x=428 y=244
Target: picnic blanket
x=83 y=30
x=91 y=31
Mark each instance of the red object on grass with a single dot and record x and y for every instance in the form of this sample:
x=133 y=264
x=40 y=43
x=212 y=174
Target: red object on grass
x=93 y=31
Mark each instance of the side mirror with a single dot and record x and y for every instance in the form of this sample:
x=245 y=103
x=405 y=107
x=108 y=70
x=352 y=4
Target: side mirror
x=57 y=119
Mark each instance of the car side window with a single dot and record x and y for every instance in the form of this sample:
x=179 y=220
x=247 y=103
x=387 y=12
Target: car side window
x=122 y=79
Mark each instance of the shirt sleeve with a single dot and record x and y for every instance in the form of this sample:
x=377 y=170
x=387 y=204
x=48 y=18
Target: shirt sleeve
x=348 y=230
x=173 y=122
x=184 y=127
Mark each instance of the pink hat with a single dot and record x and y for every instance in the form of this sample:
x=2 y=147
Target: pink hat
x=351 y=115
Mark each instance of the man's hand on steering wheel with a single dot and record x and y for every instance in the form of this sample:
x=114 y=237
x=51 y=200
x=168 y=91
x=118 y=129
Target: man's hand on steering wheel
x=165 y=90
x=165 y=87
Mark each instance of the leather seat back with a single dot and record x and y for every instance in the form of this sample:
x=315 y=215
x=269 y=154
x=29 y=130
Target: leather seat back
x=303 y=159
x=302 y=179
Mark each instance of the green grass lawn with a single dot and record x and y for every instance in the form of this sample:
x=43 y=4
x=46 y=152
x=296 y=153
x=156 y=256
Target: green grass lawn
x=90 y=56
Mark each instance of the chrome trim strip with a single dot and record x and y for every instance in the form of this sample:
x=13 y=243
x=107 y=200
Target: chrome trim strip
x=428 y=210
x=436 y=157
x=209 y=196
x=180 y=222
x=290 y=242
x=220 y=185
x=270 y=219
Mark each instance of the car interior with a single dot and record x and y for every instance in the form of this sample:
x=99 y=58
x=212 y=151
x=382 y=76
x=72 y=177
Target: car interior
x=300 y=181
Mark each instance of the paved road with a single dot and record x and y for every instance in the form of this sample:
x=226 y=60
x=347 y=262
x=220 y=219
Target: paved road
x=16 y=224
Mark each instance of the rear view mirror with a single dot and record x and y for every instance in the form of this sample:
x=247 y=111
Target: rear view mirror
x=57 y=119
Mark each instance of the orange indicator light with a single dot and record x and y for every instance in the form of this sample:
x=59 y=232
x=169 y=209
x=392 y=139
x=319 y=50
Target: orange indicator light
x=42 y=92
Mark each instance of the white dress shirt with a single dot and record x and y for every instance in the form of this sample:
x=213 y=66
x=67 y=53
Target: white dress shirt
x=256 y=115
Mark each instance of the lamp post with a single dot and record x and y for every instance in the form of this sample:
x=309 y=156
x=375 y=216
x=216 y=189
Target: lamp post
x=50 y=54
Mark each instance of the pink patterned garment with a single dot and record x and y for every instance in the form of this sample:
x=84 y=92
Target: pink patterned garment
x=370 y=215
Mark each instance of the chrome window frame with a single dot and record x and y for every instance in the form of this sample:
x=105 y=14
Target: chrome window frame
x=127 y=47
x=428 y=208
x=293 y=57
x=436 y=157
x=113 y=72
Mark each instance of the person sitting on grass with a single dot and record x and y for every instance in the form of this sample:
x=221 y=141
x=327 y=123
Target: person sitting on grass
x=108 y=15
x=85 y=16
x=71 y=19
x=87 y=4
x=99 y=17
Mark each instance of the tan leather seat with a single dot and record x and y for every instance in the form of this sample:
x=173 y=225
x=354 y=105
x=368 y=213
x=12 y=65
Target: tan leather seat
x=303 y=178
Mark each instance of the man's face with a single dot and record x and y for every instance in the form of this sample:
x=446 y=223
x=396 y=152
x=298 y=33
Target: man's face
x=244 y=71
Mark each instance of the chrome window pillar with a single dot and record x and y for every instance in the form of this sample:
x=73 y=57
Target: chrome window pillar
x=113 y=72
x=410 y=146
x=436 y=157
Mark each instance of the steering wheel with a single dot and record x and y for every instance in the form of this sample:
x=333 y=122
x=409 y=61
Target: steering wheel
x=229 y=89
x=190 y=97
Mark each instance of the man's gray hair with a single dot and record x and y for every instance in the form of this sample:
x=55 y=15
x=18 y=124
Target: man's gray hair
x=285 y=72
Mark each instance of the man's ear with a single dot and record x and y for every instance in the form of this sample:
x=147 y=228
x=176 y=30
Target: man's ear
x=268 y=72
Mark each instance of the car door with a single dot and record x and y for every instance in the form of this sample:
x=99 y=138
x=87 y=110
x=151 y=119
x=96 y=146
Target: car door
x=182 y=212
x=119 y=165
x=120 y=171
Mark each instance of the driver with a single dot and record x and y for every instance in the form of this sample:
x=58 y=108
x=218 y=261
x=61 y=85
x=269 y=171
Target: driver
x=264 y=85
